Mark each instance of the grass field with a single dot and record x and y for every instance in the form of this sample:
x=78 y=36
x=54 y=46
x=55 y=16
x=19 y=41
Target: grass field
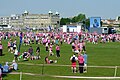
x=98 y=55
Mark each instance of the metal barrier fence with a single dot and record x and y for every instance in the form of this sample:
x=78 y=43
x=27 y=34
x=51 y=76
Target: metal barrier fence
x=115 y=68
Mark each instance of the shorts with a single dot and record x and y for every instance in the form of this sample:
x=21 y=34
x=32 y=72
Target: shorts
x=8 y=47
x=74 y=65
x=51 y=61
x=73 y=47
x=85 y=65
x=11 y=48
x=44 y=43
x=84 y=48
x=31 y=54
x=76 y=51
x=0 y=75
x=14 y=48
x=50 y=51
x=15 y=56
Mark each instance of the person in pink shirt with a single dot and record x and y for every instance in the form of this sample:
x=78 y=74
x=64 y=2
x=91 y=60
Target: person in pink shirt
x=44 y=41
x=46 y=46
x=73 y=47
x=32 y=40
x=1 y=48
x=48 y=41
x=76 y=49
x=58 y=50
x=81 y=62
x=49 y=61
x=61 y=41
x=80 y=46
x=84 y=47
x=50 y=50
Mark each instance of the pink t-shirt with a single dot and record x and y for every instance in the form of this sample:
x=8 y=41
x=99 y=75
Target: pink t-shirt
x=1 y=47
x=80 y=59
x=50 y=49
x=57 y=48
x=8 y=43
x=81 y=45
x=48 y=40
x=44 y=40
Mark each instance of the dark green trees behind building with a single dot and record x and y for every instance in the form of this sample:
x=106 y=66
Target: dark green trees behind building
x=75 y=19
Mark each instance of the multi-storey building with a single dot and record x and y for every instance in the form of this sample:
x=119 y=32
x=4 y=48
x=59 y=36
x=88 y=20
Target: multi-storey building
x=16 y=20
x=32 y=20
x=6 y=20
x=41 y=20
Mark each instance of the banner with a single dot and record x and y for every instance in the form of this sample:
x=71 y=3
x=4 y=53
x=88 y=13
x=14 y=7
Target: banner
x=95 y=22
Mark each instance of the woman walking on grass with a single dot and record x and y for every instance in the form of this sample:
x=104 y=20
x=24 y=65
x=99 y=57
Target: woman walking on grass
x=58 y=50
x=1 y=49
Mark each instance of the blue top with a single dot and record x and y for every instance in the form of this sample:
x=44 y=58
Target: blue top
x=85 y=58
x=56 y=41
x=15 y=66
x=5 y=68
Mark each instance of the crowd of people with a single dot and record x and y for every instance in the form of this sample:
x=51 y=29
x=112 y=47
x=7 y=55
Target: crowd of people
x=76 y=40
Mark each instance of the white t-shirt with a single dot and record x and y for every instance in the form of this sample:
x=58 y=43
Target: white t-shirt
x=14 y=45
x=16 y=52
x=46 y=44
x=75 y=58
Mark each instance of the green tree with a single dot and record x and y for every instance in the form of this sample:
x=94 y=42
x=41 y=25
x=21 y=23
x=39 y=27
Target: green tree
x=65 y=21
x=79 y=18
x=87 y=22
x=75 y=19
x=118 y=17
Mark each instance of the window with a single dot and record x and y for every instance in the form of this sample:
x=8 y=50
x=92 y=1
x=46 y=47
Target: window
x=105 y=28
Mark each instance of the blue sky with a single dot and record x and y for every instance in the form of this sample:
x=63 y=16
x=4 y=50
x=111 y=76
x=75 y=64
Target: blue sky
x=67 y=8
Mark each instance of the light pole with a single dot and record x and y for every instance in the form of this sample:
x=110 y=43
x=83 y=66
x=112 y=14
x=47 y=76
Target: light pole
x=58 y=20
x=50 y=17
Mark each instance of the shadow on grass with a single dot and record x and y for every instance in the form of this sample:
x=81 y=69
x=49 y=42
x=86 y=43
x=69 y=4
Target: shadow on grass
x=3 y=55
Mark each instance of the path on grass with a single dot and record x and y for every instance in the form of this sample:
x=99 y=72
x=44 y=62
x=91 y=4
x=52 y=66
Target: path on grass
x=72 y=77
x=68 y=65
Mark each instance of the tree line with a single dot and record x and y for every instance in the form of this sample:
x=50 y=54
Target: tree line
x=79 y=18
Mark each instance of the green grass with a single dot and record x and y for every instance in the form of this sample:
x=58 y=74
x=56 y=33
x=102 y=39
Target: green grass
x=98 y=55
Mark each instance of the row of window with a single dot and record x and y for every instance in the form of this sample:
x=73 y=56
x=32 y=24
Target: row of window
x=4 y=23
x=4 y=18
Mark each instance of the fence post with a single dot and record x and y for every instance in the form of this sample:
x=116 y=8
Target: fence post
x=115 y=71
x=20 y=75
x=43 y=69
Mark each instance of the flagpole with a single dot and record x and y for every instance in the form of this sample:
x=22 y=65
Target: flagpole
x=20 y=42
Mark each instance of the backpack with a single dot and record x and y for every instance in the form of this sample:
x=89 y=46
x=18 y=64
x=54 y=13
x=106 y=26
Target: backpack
x=73 y=59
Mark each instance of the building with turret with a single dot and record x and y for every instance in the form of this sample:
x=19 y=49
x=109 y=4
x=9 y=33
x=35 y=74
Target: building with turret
x=32 y=20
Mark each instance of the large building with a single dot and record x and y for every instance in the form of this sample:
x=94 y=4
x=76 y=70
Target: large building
x=17 y=20
x=111 y=22
x=32 y=20
x=5 y=20
x=41 y=20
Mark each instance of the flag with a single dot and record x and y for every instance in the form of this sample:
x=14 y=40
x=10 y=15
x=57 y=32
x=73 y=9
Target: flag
x=20 y=37
x=50 y=28
x=20 y=43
